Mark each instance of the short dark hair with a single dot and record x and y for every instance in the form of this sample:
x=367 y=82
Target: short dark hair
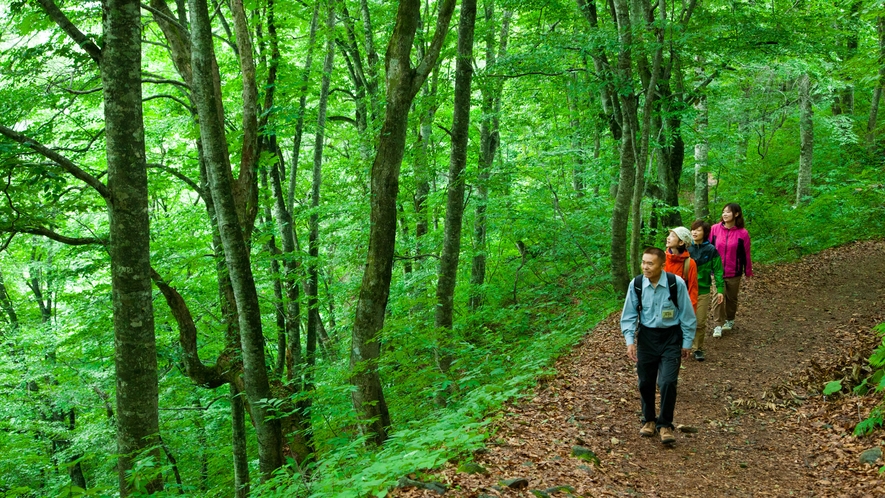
x=735 y=209
x=702 y=224
x=657 y=252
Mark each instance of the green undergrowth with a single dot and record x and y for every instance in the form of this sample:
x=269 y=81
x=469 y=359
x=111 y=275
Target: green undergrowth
x=875 y=383
x=495 y=363
x=782 y=233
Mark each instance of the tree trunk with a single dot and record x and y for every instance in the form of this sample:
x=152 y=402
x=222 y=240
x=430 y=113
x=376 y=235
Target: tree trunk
x=302 y=106
x=880 y=84
x=642 y=158
x=672 y=155
x=422 y=163
x=489 y=140
x=627 y=170
x=448 y=264
x=806 y=139
x=578 y=170
x=313 y=279
x=6 y=304
x=238 y=441
x=135 y=352
x=212 y=136
x=403 y=83
x=701 y=148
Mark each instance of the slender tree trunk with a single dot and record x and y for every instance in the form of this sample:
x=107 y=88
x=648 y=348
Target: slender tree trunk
x=701 y=185
x=742 y=142
x=422 y=163
x=645 y=134
x=575 y=123
x=489 y=140
x=672 y=155
x=238 y=441
x=806 y=139
x=313 y=279
x=75 y=471
x=403 y=83
x=284 y=211
x=212 y=136
x=302 y=107
x=880 y=84
x=448 y=266
x=245 y=186
x=6 y=304
x=627 y=170
x=135 y=352
x=279 y=303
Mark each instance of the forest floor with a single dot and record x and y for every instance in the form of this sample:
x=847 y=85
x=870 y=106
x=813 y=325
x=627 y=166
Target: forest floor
x=763 y=427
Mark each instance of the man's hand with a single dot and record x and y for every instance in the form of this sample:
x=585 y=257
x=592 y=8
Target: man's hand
x=686 y=353
x=631 y=352
x=720 y=298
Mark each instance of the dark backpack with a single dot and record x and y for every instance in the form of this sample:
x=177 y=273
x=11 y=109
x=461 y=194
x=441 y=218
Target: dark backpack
x=671 y=284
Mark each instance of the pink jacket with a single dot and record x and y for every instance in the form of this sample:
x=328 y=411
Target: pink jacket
x=733 y=245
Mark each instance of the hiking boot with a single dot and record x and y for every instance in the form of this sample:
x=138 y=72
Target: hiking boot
x=699 y=355
x=729 y=324
x=717 y=332
x=667 y=436
x=648 y=429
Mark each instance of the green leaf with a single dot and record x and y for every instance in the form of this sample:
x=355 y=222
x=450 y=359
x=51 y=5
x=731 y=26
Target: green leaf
x=832 y=387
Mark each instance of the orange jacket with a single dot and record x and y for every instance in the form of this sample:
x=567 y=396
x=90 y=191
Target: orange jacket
x=675 y=264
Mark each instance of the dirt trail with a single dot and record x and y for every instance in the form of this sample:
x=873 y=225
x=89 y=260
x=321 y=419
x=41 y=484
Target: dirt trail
x=760 y=433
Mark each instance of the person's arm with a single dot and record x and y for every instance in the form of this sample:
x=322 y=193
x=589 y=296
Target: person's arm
x=749 y=270
x=718 y=272
x=687 y=319
x=692 y=283
x=629 y=316
x=718 y=276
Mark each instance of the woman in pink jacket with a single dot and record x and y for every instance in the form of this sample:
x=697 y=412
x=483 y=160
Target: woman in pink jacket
x=733 y=243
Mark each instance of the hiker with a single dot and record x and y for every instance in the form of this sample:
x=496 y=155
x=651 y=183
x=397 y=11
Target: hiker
x=659 y=317
x=709 y=264
x=680 y=263
x=733 y=243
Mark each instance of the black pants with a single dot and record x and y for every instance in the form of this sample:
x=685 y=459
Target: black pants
x=660 y=353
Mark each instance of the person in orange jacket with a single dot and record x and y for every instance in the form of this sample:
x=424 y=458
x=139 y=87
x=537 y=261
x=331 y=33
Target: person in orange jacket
x=679 y=260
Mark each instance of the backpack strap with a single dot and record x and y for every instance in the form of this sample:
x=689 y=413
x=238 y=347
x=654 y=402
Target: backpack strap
x=637 y=289
x=685 y=267
x=674 y=290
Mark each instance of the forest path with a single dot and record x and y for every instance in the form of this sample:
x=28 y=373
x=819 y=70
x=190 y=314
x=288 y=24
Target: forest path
x=794 y=320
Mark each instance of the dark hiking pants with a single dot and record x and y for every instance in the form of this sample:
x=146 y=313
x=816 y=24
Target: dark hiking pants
x=660 y=353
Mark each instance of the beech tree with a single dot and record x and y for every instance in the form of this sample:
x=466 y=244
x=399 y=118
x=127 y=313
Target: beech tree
x=402 y=83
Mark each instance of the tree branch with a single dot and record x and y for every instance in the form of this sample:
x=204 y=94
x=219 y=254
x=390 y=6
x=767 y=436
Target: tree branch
x=71 y=241
x=82 y=92
x=190 y=183
x=87 y=147
x=169 y=19
x=439 y=36
x=170 y=97
x=161 y=81
x=57 y=158
x=342 y=118
x=209 y=377
x=68 y=27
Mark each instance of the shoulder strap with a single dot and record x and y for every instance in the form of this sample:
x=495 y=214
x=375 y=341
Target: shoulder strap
x=637 y=289
x=685 y=267
x=674 y=290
